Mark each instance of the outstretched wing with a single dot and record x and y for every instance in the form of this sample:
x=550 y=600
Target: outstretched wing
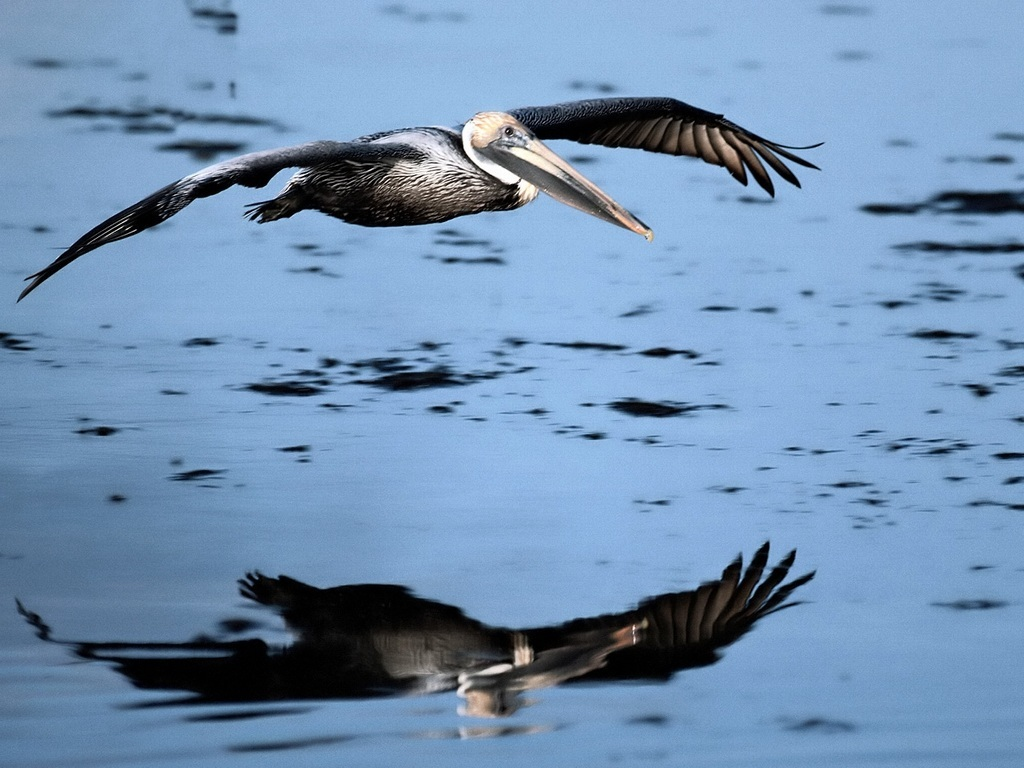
x=255 y=169
x=667 y=126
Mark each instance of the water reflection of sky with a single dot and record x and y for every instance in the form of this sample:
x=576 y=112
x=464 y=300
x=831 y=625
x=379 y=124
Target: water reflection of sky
x=873 y=406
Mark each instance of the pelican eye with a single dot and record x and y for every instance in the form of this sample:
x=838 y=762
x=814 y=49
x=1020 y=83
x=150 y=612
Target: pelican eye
x=508 y=131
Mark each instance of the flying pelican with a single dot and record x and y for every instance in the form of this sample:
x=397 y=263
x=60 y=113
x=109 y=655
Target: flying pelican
x=494 y=162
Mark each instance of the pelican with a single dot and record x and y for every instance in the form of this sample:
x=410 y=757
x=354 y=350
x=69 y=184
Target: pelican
x=494 y=162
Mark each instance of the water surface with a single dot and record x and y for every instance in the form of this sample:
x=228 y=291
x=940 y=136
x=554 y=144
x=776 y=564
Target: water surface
x=527 y=417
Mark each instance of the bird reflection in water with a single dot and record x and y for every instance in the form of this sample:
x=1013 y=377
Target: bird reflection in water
x=373 y=640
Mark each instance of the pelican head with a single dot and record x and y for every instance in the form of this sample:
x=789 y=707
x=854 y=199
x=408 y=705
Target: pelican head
x=506 y=149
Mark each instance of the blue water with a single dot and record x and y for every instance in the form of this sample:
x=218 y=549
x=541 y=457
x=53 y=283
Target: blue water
x=873 y=414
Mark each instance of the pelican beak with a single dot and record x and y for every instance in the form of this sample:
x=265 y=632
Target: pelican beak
x=527 y=157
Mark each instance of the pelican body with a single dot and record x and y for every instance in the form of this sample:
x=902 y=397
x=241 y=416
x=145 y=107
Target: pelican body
x=496 y=161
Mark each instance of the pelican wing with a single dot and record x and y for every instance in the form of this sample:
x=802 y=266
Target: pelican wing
x=255 y=169
x=667 y=126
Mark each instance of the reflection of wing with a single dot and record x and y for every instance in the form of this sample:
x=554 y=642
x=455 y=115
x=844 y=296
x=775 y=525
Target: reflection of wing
x=255 y=169
x=367 y=640
x=493 y=691
x=407 y=641
x=321 y=615
x=667 y=126
x=686 y=629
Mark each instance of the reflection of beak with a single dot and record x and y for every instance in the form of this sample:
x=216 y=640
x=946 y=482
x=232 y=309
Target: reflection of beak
x=534 y=162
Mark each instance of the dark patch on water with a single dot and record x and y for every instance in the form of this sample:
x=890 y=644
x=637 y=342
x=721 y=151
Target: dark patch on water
x=657 y=720
x=689 y=354
x=1012 y=506
x=382 y=364
x=845 y=9
x=938 y=334
x=935 y=446
x=938 y=291
x=440 y=376
x=159 y=118
x=599 y=346
x=594 y=86
x=582 y=159
x=194 y=475
x=891 y=209
x=13 y=343
x=957 y=202
x=200 y=341
x=289 y=388
x=793 y=450
x=48 y=62
x=727 y=489
x=849 y=484
x=639 y=311
x=117 y=498
x=1019 y=271
x=399 y=375
x=459 y=239
x=1008 y=456
x=451 y=237
x=1011 y=371
x=495 y=261
x=97 y=431
x=278 y=746
x=853 y=55
x=203 y=151
x=934 y=246
x=872 y=500
x=247 y=714
x=653 y=502
x=1008 y=136
x=313 y=249
x=718 y=308
x=871 y=522
x=979 y=390
x=823 y=725
x=216 y=16
x=633 y=406
x=313 y=270
x=986 y=159
x=972 y=605
x=404 y=12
